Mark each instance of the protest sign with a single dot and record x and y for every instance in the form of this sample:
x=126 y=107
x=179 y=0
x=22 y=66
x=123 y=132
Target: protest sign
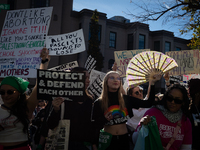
x=60 y=84
x=94 y=74
x=66 y=44
x=19 y=63
x=95 y=88
x=23 y=31
x=64 y=67
x=175 y=79
x=125 y=84
x=186 y=78
x=187 y=62
x=90 y=64
x=122 y=59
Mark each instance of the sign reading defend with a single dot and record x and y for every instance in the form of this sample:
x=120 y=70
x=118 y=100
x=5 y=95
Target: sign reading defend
x=69 y=85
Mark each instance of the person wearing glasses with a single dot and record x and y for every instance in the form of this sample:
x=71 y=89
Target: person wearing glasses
x=172 y=119
x=16 y=112
x=137 y=92
x=112 y=110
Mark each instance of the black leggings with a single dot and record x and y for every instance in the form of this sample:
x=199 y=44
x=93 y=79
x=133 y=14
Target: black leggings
x=119 y=142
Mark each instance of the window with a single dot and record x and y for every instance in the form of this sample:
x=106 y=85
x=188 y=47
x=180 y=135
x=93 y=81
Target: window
x=39 y=3
x=167 y=46
x=112 y=42
x=157 y=45
x=141 y=41
x=178 y=48
x=130 y=42
x=99 y=33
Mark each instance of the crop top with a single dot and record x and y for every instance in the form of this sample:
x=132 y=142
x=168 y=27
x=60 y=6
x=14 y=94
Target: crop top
x=8 y=131
x=119 y=117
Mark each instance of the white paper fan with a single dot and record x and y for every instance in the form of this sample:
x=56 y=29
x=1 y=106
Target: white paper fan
x=143 y=66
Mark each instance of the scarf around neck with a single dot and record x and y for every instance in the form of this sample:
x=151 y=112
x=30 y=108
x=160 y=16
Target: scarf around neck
x=171 y=116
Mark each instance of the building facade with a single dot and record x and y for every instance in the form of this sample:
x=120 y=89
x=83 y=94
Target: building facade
x=116 y=33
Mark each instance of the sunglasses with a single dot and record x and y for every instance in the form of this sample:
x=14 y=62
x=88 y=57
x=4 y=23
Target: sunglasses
x=113 y=78
x=138 y=92
x=177 y=101
x=9 y=92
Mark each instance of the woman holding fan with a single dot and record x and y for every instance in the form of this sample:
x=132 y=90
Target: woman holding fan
x=113 y=109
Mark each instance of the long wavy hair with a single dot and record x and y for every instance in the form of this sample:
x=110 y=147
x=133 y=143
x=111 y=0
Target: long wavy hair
x=20 y=109
x=186 y=101
x=104 y=94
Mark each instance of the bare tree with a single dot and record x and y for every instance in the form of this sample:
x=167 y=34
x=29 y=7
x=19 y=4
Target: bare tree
x=152 y=10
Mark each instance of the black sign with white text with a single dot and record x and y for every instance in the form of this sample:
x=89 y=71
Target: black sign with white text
x=70 y=85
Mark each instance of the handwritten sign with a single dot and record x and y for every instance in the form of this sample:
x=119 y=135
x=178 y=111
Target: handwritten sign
x=60 y=84
x=122 y=59
x=22 y=38
x=90 y=63
x=94 y=74
x=95 y=88
x=175 y=79
x=66 y=44
x=64 y=67
x=187 y=62
x=19 y=63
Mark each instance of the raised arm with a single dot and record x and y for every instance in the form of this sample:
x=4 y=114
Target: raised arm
x=32 y=100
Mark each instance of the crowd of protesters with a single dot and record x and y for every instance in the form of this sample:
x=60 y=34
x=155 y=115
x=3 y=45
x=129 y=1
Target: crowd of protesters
x=25 y=120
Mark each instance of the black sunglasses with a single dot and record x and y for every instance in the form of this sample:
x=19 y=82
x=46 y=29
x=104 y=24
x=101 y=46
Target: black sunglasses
x=9 y=92
x=177 y=101
x=138 y=92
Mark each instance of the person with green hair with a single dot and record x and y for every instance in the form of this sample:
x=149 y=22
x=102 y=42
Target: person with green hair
x=17 y=109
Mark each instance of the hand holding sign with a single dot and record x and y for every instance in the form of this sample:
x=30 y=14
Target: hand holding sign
x=56 y=103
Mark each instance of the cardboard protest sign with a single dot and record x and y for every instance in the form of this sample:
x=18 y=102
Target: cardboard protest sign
x=94 y=74
x=64 y=67
x=122 y=59
x=70 y=85
x=66 y=44
x=22 y=38
x=186 y=60
x=19 y=63
x=90 y=63
x=95 y=88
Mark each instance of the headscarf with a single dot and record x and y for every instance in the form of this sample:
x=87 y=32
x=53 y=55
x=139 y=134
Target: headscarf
x=16 y=82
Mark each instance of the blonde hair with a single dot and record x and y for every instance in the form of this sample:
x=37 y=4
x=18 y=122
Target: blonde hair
x=104 y=94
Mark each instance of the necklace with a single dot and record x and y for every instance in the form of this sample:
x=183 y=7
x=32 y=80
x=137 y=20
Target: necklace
x=171 y=116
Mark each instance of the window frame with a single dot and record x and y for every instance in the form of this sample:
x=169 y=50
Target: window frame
x=112 y=40
x=139 y=44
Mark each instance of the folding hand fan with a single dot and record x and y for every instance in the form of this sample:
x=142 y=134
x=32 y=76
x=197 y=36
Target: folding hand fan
x=143 y=66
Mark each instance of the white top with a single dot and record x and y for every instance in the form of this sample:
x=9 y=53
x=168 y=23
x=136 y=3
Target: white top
x=8 y=131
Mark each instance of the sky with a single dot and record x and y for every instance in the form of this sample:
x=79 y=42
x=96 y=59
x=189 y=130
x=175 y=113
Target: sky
x=123 y=8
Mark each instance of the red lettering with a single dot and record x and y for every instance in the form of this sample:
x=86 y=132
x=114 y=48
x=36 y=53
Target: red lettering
x=14 y=31
x=11 y=72
x=125 y=61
